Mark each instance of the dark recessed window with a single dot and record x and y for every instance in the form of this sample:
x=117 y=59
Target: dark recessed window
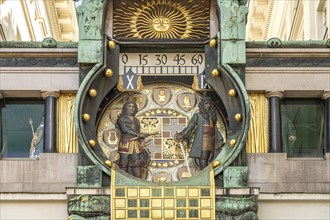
x=302 y=123
x=22 y=129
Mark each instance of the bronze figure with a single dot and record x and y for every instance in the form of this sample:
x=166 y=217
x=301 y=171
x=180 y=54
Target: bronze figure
x=130 y=147
x=207 y=140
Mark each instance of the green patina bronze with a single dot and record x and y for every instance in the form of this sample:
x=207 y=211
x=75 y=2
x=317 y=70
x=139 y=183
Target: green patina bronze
x=78 y=217
x=89 y=207
x=232 y=34
x=91 y=22
x=89 y=177
x=235 y=177
x=237 y=207
x=46 y=43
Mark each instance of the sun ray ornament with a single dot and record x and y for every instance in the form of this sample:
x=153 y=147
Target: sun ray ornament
x=161 y=19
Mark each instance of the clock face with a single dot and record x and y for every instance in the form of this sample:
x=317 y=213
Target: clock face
x=158 y=116
x=163 y=111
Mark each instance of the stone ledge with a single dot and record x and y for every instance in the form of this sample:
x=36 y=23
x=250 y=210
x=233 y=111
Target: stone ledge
x=275 y=173
x=32 y=196
x=294 y=196
x=52 y=173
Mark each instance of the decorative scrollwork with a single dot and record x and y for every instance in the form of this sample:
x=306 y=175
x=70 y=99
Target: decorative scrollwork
x=238 y=207
x=90 y=19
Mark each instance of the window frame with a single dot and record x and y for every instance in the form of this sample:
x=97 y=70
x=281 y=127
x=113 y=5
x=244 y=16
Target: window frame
x=301 y=101
x=13 y=101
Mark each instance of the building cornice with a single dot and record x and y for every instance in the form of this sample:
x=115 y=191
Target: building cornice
x=291 y=44
x=40 y=70
x=39 y=52
x=288 y=52
x=286 y=70
x=34 y=44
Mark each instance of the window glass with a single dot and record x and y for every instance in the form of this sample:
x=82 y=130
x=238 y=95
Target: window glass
x=22 y=129
x=302 y=127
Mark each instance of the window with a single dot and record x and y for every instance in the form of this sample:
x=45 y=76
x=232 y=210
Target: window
x=22 y=128
x=302 y=122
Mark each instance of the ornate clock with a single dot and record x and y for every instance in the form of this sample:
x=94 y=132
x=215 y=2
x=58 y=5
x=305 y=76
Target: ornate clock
x=161 y=113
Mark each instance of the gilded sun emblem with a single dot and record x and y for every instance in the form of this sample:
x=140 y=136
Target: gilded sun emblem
x=161 y=24
x=161 y=19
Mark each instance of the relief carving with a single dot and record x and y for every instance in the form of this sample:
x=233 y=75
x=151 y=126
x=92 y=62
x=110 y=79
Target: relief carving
x=90 y=19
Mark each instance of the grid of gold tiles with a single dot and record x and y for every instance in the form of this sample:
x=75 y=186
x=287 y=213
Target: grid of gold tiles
x=175 y=202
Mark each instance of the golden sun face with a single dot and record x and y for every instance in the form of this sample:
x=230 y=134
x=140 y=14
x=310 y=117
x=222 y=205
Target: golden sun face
x=161 y=19
x=161 y=24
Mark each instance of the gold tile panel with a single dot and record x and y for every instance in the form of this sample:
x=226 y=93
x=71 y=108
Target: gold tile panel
x=120 y=203
x=120 y=214
x=132 y=192
x=165 y=206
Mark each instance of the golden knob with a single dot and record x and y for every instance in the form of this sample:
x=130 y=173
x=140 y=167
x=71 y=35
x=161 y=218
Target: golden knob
x=84 y=199
x=111 y=44
x=108 y=163
x=238 y=117
x=232 y=142
x=216 y=163
x=213 y=43
x=92 y=92
x=232 y=92
x=92 y=143
x=215 y=72
x=86 y=117
x=108 y=73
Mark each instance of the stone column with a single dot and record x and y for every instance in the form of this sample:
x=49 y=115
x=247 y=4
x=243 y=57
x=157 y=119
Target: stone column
x=275 y=145
x=50 y=121
x=326 y=97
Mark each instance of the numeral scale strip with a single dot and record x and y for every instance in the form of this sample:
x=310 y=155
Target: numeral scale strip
x=162 y=68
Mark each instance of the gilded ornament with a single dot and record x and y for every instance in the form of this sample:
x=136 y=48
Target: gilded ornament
x=216 y=163
x=108 y=163
x=161 y=179
x=92 y=143
x=111 y=44
x=84 y=199
x=195 y=84
x=232 y=92
x=86 y=117
x=92 y=92
x=215 y=72
x=238 y=117
x=213 y=43
x=232 y=142
x=178 y=19
x=108 y=73
x=161 y=24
